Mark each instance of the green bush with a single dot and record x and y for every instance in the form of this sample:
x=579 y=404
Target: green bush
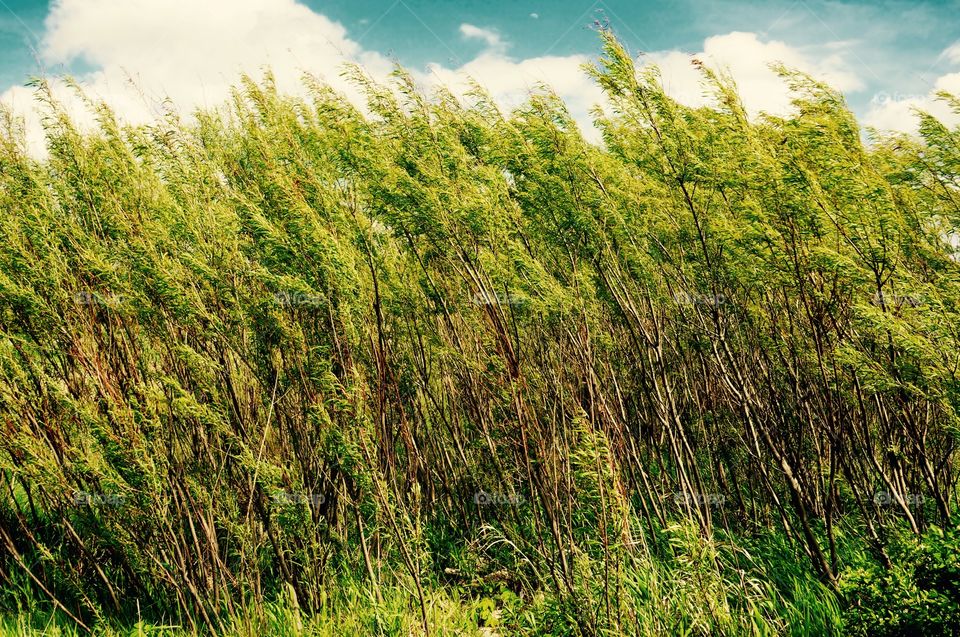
x=919 y=594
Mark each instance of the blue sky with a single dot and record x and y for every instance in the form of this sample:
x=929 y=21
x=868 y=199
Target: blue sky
x=887 y=56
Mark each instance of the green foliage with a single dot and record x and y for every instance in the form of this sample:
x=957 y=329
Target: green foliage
x=296 y=368
x=918 y=595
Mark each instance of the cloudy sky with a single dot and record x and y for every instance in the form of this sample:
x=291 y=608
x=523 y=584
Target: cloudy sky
x=888 y=57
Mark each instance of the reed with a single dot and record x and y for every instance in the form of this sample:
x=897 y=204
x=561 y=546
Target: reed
x=295 y=368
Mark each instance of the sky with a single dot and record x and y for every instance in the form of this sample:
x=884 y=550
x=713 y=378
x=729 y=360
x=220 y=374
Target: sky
x=888 y=56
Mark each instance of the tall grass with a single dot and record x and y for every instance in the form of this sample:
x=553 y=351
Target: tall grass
x=293 y=368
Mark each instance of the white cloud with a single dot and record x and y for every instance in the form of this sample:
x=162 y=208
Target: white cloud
x=952 y=53
x=949 y=83
x=748 y=59
x=492 y=38
x=193 y=52
x=509 y=81
x=535 y=16
x=898 y=112
x=894 y=112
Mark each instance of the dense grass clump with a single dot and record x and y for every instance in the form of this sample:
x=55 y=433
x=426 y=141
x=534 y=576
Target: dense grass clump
x=293 y=368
